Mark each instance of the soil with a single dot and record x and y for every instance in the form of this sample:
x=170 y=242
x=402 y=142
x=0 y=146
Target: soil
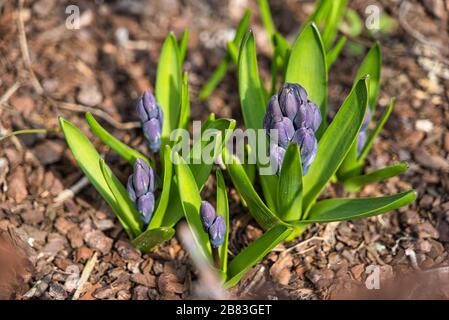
x=112 y=58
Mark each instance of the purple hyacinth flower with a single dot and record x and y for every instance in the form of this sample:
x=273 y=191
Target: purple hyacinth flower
x=366 y=120
x=140 y=188
x=145 y=206
x=285 y=131
x=141 y=178
x=217 y=231
x=152 y=118
x=277 y=154
x=361 y=140
x=289 y=100
x=308 y=144
x=207 y=215
x=308 y=116
x=273 y=113
x=152 y=131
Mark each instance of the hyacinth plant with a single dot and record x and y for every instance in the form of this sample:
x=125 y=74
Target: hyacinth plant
x=327 y=15
x=309 y=150
x=210 y=228
x=149 y=206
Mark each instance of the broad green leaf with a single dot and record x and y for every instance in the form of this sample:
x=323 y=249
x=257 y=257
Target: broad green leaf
x=274 y=70
x=355 y=183
x=223 y=210
x=220 y=72
x=264 y=217
x=184 y=117
x=333 y=53
x=128 y=214
x=371 y=65
x=191 y=203
x=336 y=143
x=164 y=197
x=290 y=185
x=252 y=98
x=127 y=153
x=151 y=238
x=269 y=185
x=88 y=160
x=380 y=124
x=349 y=209
x=233 y=51
x=307 y=67
x=254 y=253
x=332 y=22
x=183 y=46
x=267 y=20
x=282 y=45
x=168 y=85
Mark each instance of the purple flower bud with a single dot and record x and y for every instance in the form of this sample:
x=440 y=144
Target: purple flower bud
x=361 y=140
x=277 y=154
x=130 y=188
x=308 y=144
x=308 y=116
x=285 y=131
x=152 y=118
x=273 y=113
x=145 y=206
x=217 y=231
x=152 y=131
x=366 y=120
x=207 y=215
x=141 y=178
x=290 y=99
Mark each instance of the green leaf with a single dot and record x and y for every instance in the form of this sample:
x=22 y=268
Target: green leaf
x=161 y=208
x=336 y=143
x=127 y=153
x=269 y=185
x=184 y=117
x=88 y=160
x=380 y=124
x=191 y=202
x=152 y=238
x=349 y=209
x=183 y=46
x=332 y=22
x=252 y=98
x=220 y=72
x=352 y=24
x=282 y=45
x=168 y=85
x=290 y=185
x=307 y=67
x=223 y=210
x=264 y=217
x=254 y=253
x=267 y=20
x=371 y=65
x=355 y=183
x=223 y=128
x=128 y=214
x=333 y=53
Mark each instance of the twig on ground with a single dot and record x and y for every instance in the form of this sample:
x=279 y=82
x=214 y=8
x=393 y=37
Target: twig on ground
x=11 y=90
x=25 y=52
x=95 y=111
x=70 y=192
x=90 y=265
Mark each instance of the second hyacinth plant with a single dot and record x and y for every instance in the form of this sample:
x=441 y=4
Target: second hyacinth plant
x=308 y=152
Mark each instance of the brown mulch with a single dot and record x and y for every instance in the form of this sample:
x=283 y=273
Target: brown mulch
x=113 y=58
